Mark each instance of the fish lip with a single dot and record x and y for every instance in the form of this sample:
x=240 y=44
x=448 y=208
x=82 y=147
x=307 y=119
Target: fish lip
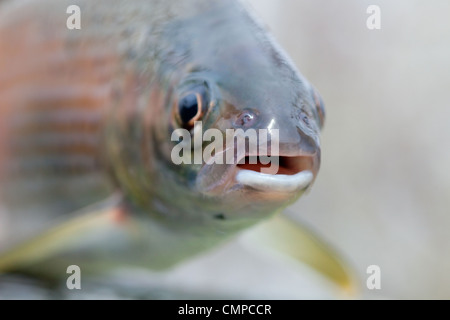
x=235 y=177
x=302 y=171
x=275 y=182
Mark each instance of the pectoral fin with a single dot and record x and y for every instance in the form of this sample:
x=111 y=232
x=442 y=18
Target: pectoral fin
x=282 y=235
x=89 y=225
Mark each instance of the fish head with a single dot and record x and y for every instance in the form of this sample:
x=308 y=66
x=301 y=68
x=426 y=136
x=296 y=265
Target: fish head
x=249 y=148
x=235 y=83
x=244 y=147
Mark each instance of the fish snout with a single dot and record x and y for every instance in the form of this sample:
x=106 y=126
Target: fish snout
x=271 y=156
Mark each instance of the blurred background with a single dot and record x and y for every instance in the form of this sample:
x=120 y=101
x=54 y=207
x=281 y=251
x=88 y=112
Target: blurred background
x=383 y=193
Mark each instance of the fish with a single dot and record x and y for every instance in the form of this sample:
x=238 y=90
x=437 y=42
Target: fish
x=87 y=118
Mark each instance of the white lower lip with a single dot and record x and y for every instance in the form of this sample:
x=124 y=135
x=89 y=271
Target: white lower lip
x=278 y=182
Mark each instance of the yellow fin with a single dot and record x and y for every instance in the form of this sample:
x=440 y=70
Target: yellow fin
x=62 y=236
x=285 y=236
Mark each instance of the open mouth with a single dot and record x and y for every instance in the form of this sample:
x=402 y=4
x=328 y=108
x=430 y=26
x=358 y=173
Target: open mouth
x=293 y=173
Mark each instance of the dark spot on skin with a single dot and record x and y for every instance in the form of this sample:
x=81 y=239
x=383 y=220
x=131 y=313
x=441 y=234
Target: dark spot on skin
x=245 y=119
x=306 y=120
x=219 y=216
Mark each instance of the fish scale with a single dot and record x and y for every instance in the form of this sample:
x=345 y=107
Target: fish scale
x=55 y=104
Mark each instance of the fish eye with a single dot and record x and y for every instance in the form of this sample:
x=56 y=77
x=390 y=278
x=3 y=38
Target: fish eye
x=191 y=106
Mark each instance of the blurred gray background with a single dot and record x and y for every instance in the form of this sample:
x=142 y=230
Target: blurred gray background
x=383 y=194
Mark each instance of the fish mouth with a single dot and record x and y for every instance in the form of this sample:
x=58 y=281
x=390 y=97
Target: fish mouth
x=291 y=174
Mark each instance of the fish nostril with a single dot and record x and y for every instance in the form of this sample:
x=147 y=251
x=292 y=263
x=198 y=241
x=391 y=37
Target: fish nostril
x=245 y=119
